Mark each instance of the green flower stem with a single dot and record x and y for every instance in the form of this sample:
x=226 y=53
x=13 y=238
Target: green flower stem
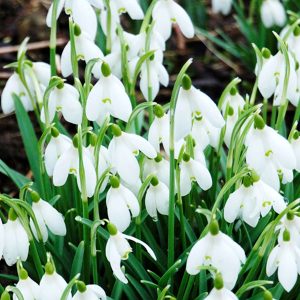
x=108 y=27
x=73 y=49
x=53 y=38
x=94 y=227
x=297 y=114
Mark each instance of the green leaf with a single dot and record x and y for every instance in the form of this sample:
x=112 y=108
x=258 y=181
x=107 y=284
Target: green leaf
x=78 y=260
x=169 y=273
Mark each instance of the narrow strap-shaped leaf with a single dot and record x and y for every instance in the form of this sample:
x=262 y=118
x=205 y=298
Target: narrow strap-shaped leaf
x=78 y=259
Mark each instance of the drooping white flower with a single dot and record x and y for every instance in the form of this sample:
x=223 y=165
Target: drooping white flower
x=221 y=6
x=68 y=163
x=82 y=13
x=219 y=251
x=118 y=248
x=16 y=242
x=108 y=96
x=193 y=170
x=194 y=103
x=47 y=218
x=64 y=98
x=121 y=204
x=122 y=151
x=52 y=284
x=269 y=154
x=166 y=12
x=286 y=258
x=295 y=142
x=157 y=198
x=251 y=200
x=89 y=292
x=272 y=13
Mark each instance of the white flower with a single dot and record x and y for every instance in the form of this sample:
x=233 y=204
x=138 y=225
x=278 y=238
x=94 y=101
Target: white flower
x=66 y=100
x=108 y=96
x=193 y=170
x=82 y=12
x=47 y=217
x=221 y=6
x=52 y=285
x=86 y=50
x=194 y=103
x=122 y=150
x=286 y=258
x=166 y=12
x=269 y=154
x=219 y=251
x=68 y=163
x=118 y=248
x=157 y=198
x=89 y=292
x=272 y=13
x=121 y=204
x=251 y=200
x=290 y=222
x=16 y=242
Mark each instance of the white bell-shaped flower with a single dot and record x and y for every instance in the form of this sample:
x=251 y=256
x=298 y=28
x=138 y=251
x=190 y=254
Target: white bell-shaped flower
x=108 y=96
x=52 y=284
x=29 y=289
x=132 y=7
x=167 y=12
x=221 y=6
x=218 y=250
x=47 y=217
x=269 y=154
x=157 y=198
x=286 y=258
x=122 y=151
x=291 y=36
x=118 y=248
x=89 y=292
x=16 y=242
x=272 y=13
x=251 y=200
x=64 y=98
x=86 y=50
x=68 y=163
x=121 y=204
x=82 y=13
x=193 y=170
x=194 y=103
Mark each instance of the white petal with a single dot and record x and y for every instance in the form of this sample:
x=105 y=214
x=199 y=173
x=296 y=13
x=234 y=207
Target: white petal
x=62 y=167
x=201 y=174
x=139 y=143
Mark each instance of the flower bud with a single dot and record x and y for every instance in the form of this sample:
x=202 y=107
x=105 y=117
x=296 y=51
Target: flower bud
x=266 y=53
x=77 y=30
x=114 y=182
x=49 y=268
x=12 y=214
x=158 y=111
x=259 y=122
x=112 y=229
x=54 y=132
x=35 y=196
x=105 y=69
x=81 y=287
x=116 y=130
x=5 y=296
x=186 y=82
x=218 y=283
x=158 y=158
x=268 y=295
x=154 y=181
x=214 y=227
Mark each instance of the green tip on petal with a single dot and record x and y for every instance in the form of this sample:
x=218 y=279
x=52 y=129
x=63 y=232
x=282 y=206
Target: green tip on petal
x=266 y=53
x=12 y=214
x=218 y=283
x=268 y=295
x=49 y=268
x=158 y=158
x=114 y=182
x=186 y=82
x=23 y=274
x=286 y=236
x=77 y=30
x=214 y=227
x=75 y=141
x=54 y=132
x=259 y=122
x=105 y=69
x=5 y=296
x=116 y=130
x=233 y=91
x=186 y=157
x=112 y=229
x=81 y=287
x=154 y=181
x=158 y=111
x=35 y=196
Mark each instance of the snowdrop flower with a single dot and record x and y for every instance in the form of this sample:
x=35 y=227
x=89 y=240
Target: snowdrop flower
x=82 y=13
x=118 y=248
x=251 y=200
x=271 y=79
x=295 y=143
x=269 y=154
x=153 y=73
x=86 y=50
x=16 y=242
x=121 y=204
x=108 y=96
x=122 y=150
x=157 y=198
x=221 y=6
x=166 y=12
x=89 y=292
x=193 y=170
x=68 y=163
x=52 y=284
x=58 y=144
x=290 y=222
x=131 y=7
x=285 y=257
x=219 y=292
x=219 y=251
x=47 y=217
x=159 y=129
x=194 y=103
x=29 y=289
x=272 y=13
x=64 y=98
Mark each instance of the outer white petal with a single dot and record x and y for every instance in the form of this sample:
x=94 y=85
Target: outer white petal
x=41 y=224
x=131 y=201
x=138 y=142
x=97 y=290
x=162 y=18
x=30 y=289
x=272 y=261
x=22 y=241
x=65 y=61
x=154 y=134
x=162 y=199
x=196 y=256
x=185 y=180
x=62 y=167
x=133 y=9
x=233 y=205
x=150 y=202
x=201 y=174
x=60 y=7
